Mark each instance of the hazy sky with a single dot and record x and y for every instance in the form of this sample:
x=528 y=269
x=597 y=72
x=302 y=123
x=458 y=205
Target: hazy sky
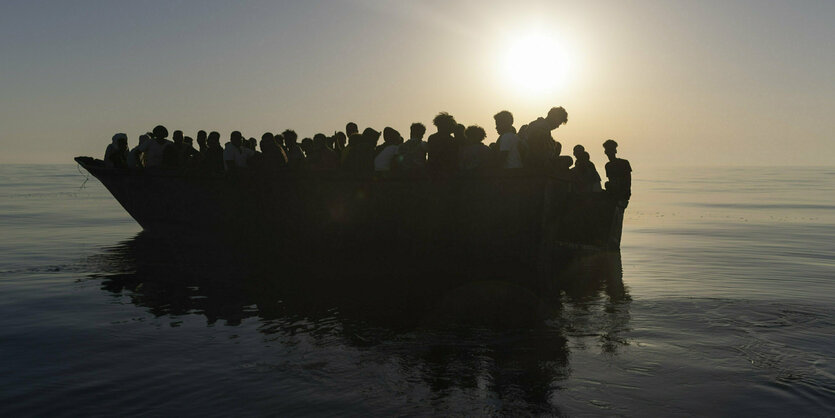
x=675 y=82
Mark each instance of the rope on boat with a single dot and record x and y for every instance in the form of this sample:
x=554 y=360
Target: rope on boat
x=86 y=176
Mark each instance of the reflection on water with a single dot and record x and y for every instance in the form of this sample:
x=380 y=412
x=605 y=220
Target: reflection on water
x=490 y=338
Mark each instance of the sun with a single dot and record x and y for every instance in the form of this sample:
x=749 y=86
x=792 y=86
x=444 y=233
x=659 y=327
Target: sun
x=536 y=63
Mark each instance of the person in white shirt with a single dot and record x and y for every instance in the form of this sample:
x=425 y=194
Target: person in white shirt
x=155 y=151
x=383 y=160
x=233 y=154
x=509 y=143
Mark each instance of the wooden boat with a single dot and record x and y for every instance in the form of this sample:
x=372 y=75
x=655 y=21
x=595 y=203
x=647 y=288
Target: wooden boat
x=518 y=219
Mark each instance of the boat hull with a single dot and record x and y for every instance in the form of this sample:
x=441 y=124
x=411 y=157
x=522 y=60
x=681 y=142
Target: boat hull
x=524 y=220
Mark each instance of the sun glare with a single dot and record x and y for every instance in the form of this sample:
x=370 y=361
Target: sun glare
x=536 y=64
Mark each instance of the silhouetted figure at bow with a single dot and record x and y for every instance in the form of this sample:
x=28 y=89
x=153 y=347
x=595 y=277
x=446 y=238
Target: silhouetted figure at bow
x=116 y=153
x=509 y=144
x=411 y=155
x=584 y=174
x=475 y=155
x=619 y=173
x=442 y=150
x=212 y=158
x=295 y=155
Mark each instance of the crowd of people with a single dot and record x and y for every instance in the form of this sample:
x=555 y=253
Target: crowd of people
x=452 y=147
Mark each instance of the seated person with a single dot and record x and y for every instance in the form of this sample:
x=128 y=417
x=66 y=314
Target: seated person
x=116 y=154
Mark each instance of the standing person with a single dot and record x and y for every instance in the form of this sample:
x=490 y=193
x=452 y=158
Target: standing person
x=542 y=150
x=411 y=155
x=509 y=144
x=584 y=174
x=212 y=161
x=441 y=149
x=475 y=155
x=233 y=153
x=619 y=173
x=295 y=155
x=392 y=141
x=201 y=141
x=157 y=148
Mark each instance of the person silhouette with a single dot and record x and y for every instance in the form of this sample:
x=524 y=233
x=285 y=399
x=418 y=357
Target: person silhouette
x=475 y=155
x=619 y=173
x=442 y=150
x=411 y=155
x=510 y=154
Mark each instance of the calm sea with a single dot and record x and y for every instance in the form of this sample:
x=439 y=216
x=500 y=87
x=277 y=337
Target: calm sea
x=720 y=303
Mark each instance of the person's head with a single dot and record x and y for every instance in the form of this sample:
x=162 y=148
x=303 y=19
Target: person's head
x=370 y=136
x=444 y=122
x=351 y=128
x=475 y=134
x=160 y=132
x=290 y=137
x=390 y=135
x=577 y=150
x=341 y=139
x=584 y=156
x=213 y=139
x=504 y=121
x=267 y=142
x=610 y=148
x=177 y=137
x=236 y=138
x=306 y=144
x=188 y=141
x=460 y=132
x=252 y=143
x=417 y=130
x=320 y=141
x=120 y=139
x=201 y=138
x=279 y=140
x=556 y=116
x=143 y=138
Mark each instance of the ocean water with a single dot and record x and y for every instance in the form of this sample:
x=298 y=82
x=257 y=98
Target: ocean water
x=720 y=302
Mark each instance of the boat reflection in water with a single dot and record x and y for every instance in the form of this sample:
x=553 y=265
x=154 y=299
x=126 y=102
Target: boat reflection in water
x=465 y=332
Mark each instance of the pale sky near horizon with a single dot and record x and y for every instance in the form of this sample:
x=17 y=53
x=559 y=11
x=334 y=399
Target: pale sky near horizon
x=674 y=82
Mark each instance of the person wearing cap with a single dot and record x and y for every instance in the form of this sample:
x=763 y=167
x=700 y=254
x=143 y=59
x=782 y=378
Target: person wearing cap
x=116 y=154
x=619 y=172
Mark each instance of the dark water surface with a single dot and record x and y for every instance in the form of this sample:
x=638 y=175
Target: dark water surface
x=719 y=303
